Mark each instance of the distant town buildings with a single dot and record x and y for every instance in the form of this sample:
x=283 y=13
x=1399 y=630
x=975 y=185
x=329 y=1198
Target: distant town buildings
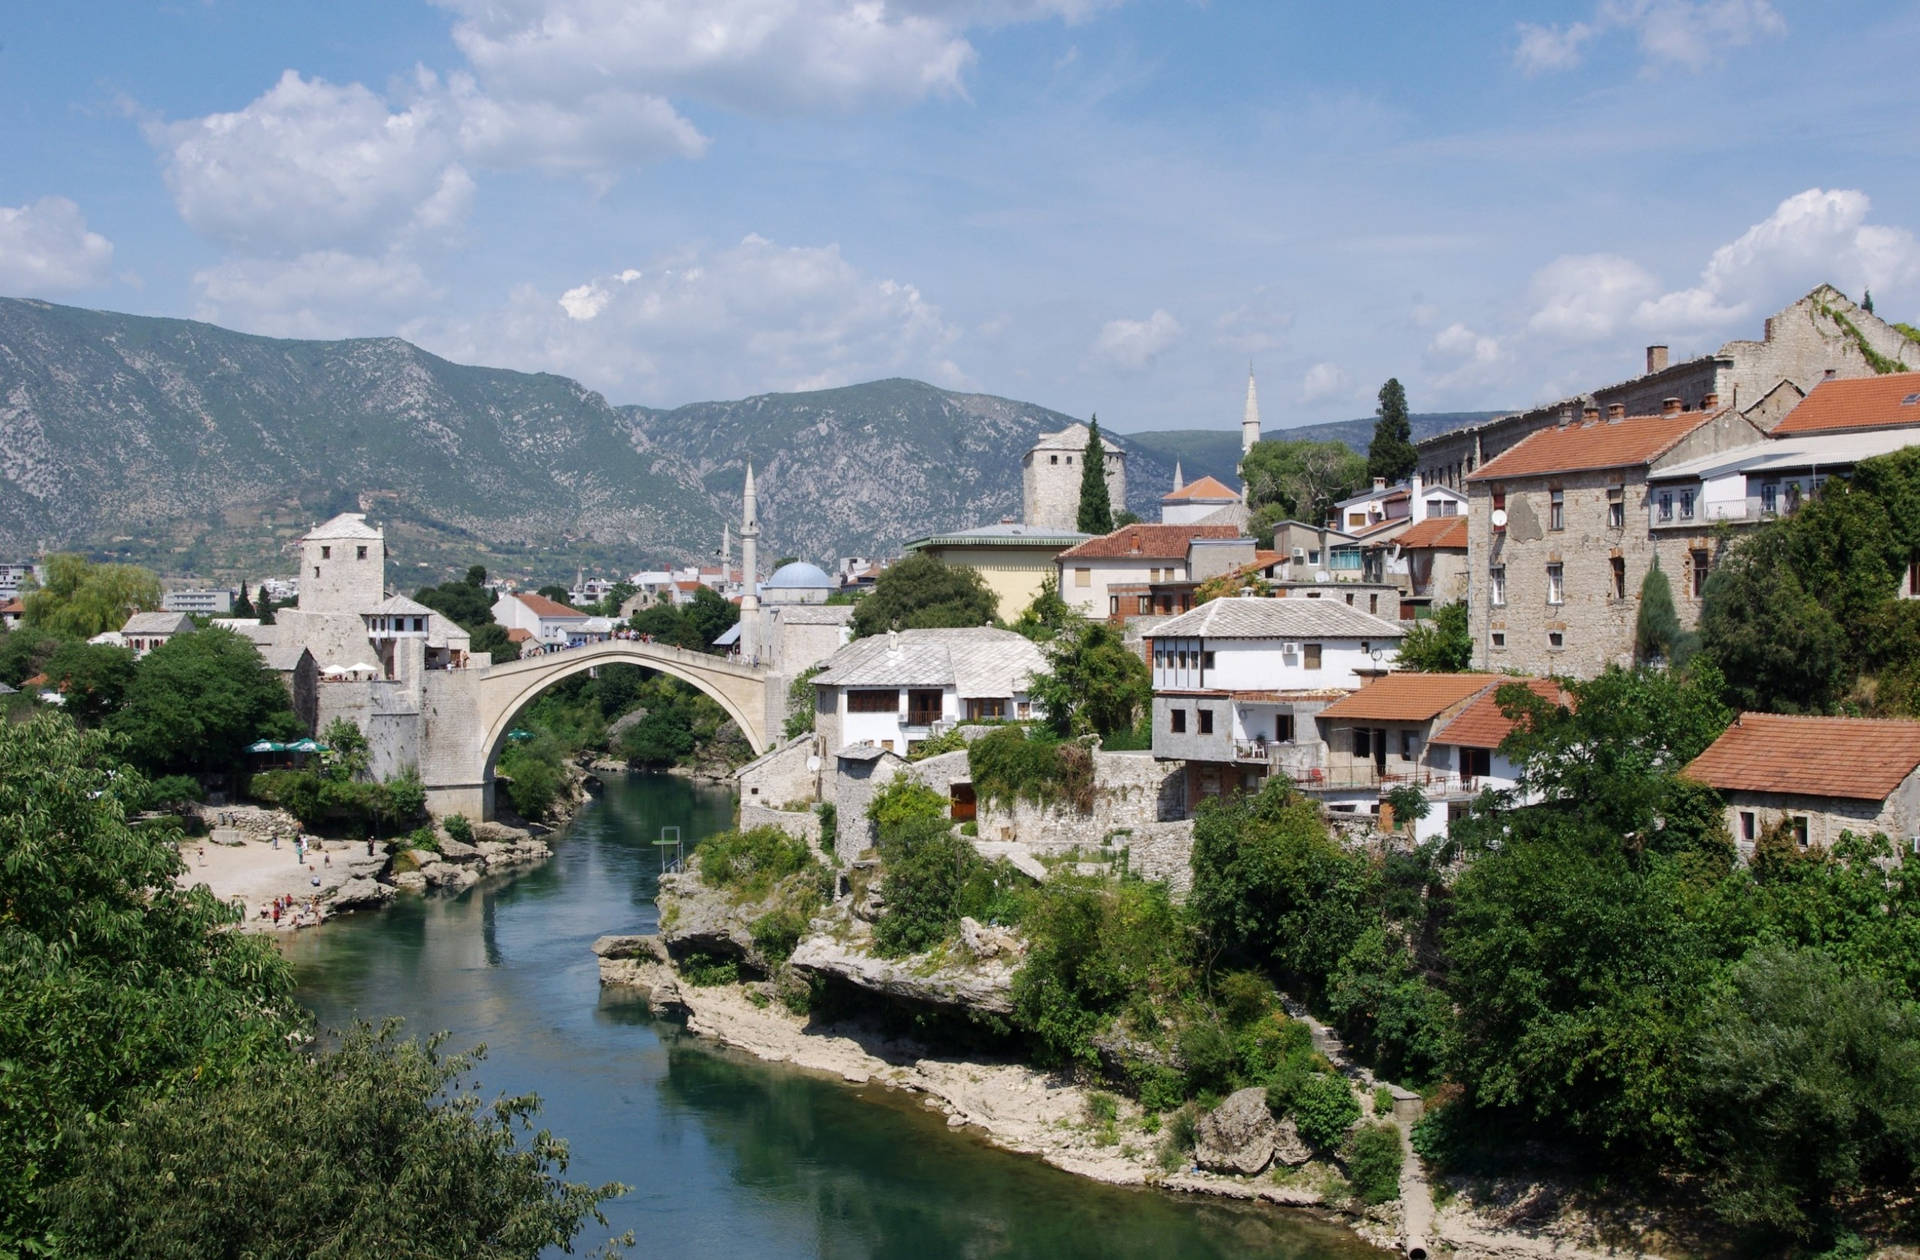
x=202 y=603
x=891 y=691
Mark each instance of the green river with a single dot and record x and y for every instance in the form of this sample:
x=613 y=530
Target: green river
x=727 y=1155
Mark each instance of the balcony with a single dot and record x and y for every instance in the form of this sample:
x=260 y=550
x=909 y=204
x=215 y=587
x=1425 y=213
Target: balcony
x=1435 y=783
x=923 y=717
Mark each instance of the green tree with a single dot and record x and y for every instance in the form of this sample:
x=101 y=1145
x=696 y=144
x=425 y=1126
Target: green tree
x=1298 y=480
x=709 y=616
x=661 y=738
x=1778 y=647
x=555 y=592
x=801 y=703
x=92 y=679
x=25 y=652
x=1440 y=644
x=1391 y=454
x=198 y=700
x=1047 y=615
x=921 y=593
x=1094 y=684
x=1657 y=636
x=1096 y=501
x=243 y=607
x=80 y=599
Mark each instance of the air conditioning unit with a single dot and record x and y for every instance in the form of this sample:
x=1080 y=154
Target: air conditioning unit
x=1299 y=555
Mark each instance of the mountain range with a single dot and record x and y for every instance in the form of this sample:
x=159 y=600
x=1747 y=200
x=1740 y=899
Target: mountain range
x=199 y=450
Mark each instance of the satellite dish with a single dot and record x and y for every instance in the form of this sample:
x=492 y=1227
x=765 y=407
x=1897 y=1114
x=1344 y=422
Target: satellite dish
x=1499 y=518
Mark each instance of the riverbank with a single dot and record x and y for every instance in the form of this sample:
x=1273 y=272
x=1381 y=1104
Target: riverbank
x=1098 y=1135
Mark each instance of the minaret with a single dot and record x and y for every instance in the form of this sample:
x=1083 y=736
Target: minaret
x=726 y=556
x=1250 y=418
x=1178 y=480
x=750 y=570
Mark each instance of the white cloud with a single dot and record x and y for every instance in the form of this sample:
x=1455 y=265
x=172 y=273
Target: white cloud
x=1132 y=344
x=312 y=165
x=45 y=247
x=324 y=293
x=1254 y=327
x=1324 y=381
x=1458 y=342
x=1812 y=237
x=590 y=132
x=699 y=323
x=1587 y=297
x=1687 y=33
x=753 y=55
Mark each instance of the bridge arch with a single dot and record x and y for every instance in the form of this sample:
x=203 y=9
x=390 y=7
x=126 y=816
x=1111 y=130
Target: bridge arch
x=739 y=690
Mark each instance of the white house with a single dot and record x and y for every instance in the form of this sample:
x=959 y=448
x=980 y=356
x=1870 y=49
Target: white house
x=1133 y=556
x=550 y=623
x=896 y=689
x=146 y=631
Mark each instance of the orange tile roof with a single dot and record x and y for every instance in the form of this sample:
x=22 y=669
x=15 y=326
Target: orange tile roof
x=1482 y=725
x=1205 y=488
x=541 y=606
x=519 y=634
x=1593 y=444
x=1147 y=542
x=1862 y=759
x=1436 y=531
x=1867 y=402
x=14 y=607
x=1409 y=697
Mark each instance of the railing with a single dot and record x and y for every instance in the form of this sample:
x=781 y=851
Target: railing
x=923 y=717
x=1368 y=775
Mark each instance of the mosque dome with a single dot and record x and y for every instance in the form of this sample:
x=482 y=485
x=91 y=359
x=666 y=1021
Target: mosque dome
x=799 y=576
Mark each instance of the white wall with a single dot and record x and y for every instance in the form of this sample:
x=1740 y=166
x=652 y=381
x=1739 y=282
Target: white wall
x=1264 y=664
x=1092 y=599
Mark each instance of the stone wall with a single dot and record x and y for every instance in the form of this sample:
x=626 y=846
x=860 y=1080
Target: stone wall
x=802 y=824
x=1162 y=850
x=1131 y=791
x=855 y=783
x=1898 y=817
x=790 y=774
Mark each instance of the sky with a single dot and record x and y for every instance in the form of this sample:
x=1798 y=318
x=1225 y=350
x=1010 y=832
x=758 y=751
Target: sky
x=1111 y=206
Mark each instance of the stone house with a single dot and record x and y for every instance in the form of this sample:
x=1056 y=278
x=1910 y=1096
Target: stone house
x=894 y=690
x=1467 y=747
x=1013 y=559
x=1817 y=777
x=1050 y=477
x=1137 y=555
x=1237 y=682
x=12 y=612
x=1432 y=556
x=146 y=631
x=1822 y=336
x=1562 y=530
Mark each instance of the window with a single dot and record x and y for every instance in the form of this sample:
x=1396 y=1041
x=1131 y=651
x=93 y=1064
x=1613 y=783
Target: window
x=1556 y=586
x=326 y=553
x=1069 y=461
x=1083 y=577
x=1313 y=557
x=1146 y=604
x=1497 y=585
x=1177 y=721
x=1407 y=743
x=1619 y=577
x=1283 y=728
x=1183 y=659
x=1666 y=505
x=1373 y=604
x=1206 y=660
x=1206 y=721
x=1113 y=605
x=873 y=702
x=1499 y=638
x=1800 y=830
x=360 y=553
x=1556 y=639
x=1699 y=573
x=1311 y=651
x=1686 y=505
x=1366 y=647
x=1616 y=507
x=316 y=570
x=1349 y=599
x=986 y=709
x=1769 y=498
x=1053 y=459
x=1159 y=658
x=1556 y=509
x=1747 y=826
x=1362 y=742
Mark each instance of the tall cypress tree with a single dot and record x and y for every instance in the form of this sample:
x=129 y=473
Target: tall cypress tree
x=1096 y=505
x=1391 y=454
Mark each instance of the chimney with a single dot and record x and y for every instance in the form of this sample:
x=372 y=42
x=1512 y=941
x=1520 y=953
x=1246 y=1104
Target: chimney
x=1380 y=483
x=1566 y=416
x=1590 y=414
x=1710 y=402
x=1656 y=359
x=1829 y=374
x=1670 y=406
x=1417 y=509
x=1616 y=411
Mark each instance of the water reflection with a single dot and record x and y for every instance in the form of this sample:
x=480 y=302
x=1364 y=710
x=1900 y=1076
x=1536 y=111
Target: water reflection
x=726 y=1155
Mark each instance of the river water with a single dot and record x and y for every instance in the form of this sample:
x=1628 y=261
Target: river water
x=727 y=1155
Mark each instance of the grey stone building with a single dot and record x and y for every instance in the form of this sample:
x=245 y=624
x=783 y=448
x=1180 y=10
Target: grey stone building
x=1050 y=477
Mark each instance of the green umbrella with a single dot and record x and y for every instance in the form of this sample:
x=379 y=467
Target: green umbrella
x=518 y=733
x=308 y=745
x=265 y=746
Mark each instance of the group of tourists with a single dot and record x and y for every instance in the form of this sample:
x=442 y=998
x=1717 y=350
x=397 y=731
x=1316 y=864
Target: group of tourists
x=300 y=914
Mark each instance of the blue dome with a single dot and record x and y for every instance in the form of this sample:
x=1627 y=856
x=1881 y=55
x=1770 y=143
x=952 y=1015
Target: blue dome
x=799 y=576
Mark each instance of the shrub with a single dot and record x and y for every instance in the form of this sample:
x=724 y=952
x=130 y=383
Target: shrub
x=829 y=824
x=776 y=932
x=1372 y=1155
x=750 y=863
x=933 y=878
x=175 y=791
x=1009 y=765
x=458 y=827
x=1324 y=1108
x=905 y=801
x=704 y=971
x=1208 y=1052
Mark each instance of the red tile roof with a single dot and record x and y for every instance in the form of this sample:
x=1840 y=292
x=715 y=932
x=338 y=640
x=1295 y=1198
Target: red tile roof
x=1862 y=759
x=1409 y=697
x=1482 y=725
x=519 y=634
x=1867 y=402
x=1147 y=542
x=1436 y=531
x=14 y=608
x=1205 y=488
x=1593 y=444
x=541 y=606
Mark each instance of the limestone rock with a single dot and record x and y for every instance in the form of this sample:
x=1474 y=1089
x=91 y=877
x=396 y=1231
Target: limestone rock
x=986 y=986
x=446 y=874
x=984 y=941
x=360 y=894
x=412 y=881
x=1237 y=1136
x=647 y=947
x=1288 y=1146
x=458 y=851
x=703 y=921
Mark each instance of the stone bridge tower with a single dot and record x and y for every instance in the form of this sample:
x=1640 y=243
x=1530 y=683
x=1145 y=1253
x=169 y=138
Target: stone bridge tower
x=1050 y=478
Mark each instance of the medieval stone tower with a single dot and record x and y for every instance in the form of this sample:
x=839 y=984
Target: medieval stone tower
x=343 y=566
x=1050 y=478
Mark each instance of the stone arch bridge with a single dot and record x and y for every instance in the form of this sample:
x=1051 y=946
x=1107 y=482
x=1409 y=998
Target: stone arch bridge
x=459 y=766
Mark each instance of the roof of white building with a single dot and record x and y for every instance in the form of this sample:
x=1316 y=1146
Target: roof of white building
x=397 y=606
x=1812 y=450
x=1002 y=534
x=345 y=525
x=1253 y=617
x=980 y=661
x=813 y=614
x=157 y=623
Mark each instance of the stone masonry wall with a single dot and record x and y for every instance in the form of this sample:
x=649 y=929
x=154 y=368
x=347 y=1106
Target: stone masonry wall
x=784 y=776
x=1131 y=791
x=800 y=824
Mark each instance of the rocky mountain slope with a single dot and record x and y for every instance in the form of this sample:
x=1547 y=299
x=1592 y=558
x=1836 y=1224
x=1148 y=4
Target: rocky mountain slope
x=200 y=450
